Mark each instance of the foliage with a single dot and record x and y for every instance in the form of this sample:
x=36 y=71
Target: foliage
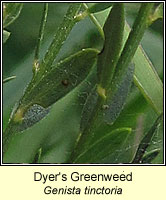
x=75 y=105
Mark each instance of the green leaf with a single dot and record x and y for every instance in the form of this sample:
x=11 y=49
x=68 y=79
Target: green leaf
x=147 y=79
x=60 y=36
x=145 y=142
x=106 y=145
x=63 y=77
x=150 y=156
x=6 y=35
x=55 y=137
x=57 y=146
x=113 y=104
x=54 y=85
x=97 y=7
x=117 y=95
x=107 y=59
x=10 y=12
x=88 y=109
x=135 y=36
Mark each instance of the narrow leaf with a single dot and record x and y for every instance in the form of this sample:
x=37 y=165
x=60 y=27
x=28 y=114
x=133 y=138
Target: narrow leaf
x=90 y=119
x=59 y=38
x=107 y=59
x=106 y=63
x=145 y=142
x=143 y=67
x=104 y=147
x=135 y=36
x=63 y=78
x=33 y=115
x=117 y=95
x=94 y=20
x=22 y=121
x=113 y=104
x=88 y=109
x=8 y=79
x=144 y=76
x=6 y=35
x=10 y=12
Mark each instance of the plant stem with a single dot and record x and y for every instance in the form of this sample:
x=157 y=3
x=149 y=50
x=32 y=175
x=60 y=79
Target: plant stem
x=40 y=37
x=94 y=20
x=60 y=36
x=135 y=36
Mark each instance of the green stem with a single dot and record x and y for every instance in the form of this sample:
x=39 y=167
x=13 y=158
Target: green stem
x=94 y=20
x=41 y=33
x=60 y=36
x=135 y=36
